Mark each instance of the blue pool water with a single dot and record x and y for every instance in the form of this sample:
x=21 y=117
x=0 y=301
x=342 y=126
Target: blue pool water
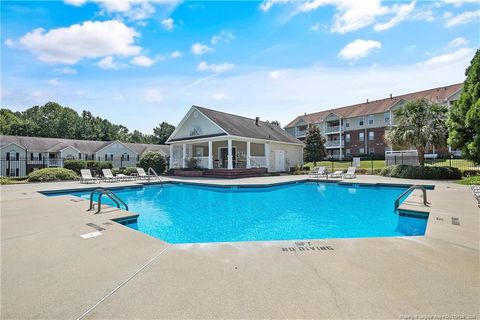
x=190 y=214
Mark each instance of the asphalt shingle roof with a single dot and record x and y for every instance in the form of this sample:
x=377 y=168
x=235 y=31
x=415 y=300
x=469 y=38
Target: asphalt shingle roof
x=438 y=95
x=84 y=146
x=246 y=127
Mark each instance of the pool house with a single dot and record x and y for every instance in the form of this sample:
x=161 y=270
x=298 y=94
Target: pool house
x=229 y=145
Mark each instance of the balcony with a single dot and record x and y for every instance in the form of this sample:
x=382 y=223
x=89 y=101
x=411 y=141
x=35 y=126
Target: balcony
x=334 y=144
x=332 y=129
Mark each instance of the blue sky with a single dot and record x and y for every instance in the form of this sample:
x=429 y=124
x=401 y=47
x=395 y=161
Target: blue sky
x=139 y=62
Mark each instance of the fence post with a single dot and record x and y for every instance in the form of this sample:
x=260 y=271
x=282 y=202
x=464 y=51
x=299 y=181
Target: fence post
x=371 y=160
x=333 y=166
x=450 y=161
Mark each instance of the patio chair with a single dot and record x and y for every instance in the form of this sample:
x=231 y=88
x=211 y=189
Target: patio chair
x=108 y=176
x=318 y=172
x=350 y=173
x=142 y=174
x=336 y=174
x=86 y=176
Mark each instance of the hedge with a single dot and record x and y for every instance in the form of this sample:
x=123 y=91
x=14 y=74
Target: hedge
x=52 y=174
x=419 y=172
x=153 y=160
x=127 y=171
x=75 y=165
x=99 y=165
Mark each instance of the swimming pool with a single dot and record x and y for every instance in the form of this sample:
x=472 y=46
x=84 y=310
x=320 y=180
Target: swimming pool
x=186 y=213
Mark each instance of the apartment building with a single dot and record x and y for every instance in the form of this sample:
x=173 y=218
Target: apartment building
x=21 y=155
x=359 y=129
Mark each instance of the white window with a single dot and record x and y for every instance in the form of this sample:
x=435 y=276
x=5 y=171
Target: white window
x=361 y=120
x=361 y=151
x=347 y=152
x=370 y=119
x=347 y=123
x=371 y=150
x=386 y=116
x=361 y=136
x=371 y=135
x=347 y=137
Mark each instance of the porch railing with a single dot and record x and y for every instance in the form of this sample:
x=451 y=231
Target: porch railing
x=202 y=162
x=258 y=162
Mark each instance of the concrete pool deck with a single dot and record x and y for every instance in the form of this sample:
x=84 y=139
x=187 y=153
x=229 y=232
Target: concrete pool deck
x=49 y=271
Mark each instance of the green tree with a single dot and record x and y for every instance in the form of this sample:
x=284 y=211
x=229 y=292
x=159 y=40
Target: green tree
x=464 y=117
x=275 y=123
x=314 y=146
x=162 y=132
x=417 y=124
x=154 y=160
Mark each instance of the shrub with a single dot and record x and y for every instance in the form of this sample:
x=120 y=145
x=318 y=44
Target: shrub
x=153 y=160
x=421 y=172
x=192 y=163
x=52 y=174
x=127 y=171
x=99 y=165
x=12 y=180
x=75 y=165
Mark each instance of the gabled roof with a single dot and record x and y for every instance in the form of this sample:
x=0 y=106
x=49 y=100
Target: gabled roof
x=246 y=127
x=439 y=95
x=84 y=146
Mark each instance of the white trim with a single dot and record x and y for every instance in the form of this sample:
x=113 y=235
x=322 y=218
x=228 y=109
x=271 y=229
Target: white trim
x=69 y=146
x=237 y=138
x=185 y=118
x=460 y=89
x=14 y=144
x=112 y=142
x=393 y=105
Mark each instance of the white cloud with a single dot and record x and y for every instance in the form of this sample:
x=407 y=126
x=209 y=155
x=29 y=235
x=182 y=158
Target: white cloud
x=315 y=27
x=152 y=95
x=450 y=58
x=458 y=42
x=216 y=68
x=463 y=18
x=402 y=12
x=221 y=96
x=109 y=63
x=77 y=3
x=9 y=43
x=167 y=24
x=224 y=36
x=359 y=49
x=54 y=82
x=176 y=54
x=200 y=48
x=276 y=74
x=82 y=41
x=268 y=4
x=142 y=61
x=66 y=70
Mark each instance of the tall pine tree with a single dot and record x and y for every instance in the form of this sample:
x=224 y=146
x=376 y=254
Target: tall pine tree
x=314 y=146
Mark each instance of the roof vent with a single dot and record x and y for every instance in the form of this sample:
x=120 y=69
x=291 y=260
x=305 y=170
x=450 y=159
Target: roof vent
x=391 y=96
x=367 y=100
x=256 y=120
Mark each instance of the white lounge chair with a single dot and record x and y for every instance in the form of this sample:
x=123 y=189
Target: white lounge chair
x=350 y=174
x=108 y=176
x=86 y=176
x=337 y=174
x=142 y=174
x=318 y=172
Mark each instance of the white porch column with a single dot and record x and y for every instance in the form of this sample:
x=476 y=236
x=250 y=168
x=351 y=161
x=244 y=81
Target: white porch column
x=171 y=156
x=210 y=155
x=248 y=155
x=340 y=128
x=230 y=156
x=267 y=155
x=184 y=155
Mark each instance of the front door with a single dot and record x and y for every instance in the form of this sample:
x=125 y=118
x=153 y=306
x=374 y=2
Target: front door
x=279 y=160
x=224 y=156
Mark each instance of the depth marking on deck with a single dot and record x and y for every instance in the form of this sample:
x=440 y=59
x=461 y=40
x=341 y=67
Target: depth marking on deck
x=95 y=226
x=306 y=246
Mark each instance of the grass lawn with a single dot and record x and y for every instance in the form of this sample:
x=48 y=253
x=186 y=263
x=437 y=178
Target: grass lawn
x=470 y=180
x=343 y=165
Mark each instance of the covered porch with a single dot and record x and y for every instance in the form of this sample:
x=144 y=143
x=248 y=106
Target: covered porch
x=229 y=154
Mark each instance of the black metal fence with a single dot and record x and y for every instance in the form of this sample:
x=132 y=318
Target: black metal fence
x=374 y=165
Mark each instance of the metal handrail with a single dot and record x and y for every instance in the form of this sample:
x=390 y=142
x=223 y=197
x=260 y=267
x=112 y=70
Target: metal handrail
x=150 y=170
x=415 y=186
x=108 y=193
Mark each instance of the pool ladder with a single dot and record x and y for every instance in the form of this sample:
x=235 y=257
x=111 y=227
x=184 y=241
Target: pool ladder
x=150 y=170
x=415 y=186
x=107 y=192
